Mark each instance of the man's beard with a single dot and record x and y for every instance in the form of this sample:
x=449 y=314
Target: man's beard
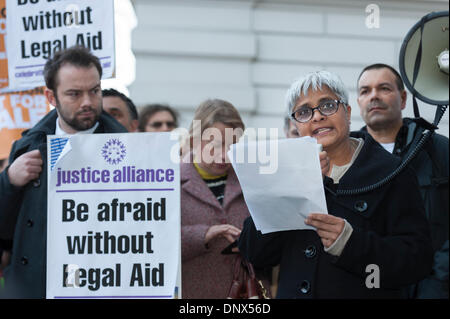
x=73 y=122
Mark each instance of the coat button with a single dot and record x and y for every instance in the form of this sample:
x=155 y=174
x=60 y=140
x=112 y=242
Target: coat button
x=37 y=183
x=24 y=261
x=310 y=251
x=361 y=206
x=305 y=287
x=30 y=223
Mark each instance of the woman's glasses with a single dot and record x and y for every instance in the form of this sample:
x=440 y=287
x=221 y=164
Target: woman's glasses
x=326 y=108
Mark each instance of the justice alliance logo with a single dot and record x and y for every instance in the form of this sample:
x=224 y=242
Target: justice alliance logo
x=114 y=151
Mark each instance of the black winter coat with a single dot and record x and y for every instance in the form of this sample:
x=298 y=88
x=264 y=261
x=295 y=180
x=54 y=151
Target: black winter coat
x=23 y=212
x=431 y=166
x=390 y=231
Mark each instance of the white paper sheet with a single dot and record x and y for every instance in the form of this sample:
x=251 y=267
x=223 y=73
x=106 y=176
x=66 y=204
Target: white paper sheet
x=283 y=199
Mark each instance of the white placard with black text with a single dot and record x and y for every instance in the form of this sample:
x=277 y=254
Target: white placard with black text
x=113 y=227
x=39 y=28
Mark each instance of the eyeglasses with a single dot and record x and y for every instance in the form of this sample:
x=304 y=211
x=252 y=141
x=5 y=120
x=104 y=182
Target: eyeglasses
x=326 y=108
x=158 y=124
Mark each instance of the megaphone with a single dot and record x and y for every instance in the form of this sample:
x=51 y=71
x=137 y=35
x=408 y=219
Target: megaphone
x=424 y=59
x=424 y=69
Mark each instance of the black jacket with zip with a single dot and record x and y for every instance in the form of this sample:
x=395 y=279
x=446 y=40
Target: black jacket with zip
x=431 y=168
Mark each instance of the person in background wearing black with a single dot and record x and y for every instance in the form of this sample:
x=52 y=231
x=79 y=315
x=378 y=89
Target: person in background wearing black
x=122 y=108
x=381 y=98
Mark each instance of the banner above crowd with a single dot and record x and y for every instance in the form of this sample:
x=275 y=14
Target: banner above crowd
x=39 y=28
x=19 y=111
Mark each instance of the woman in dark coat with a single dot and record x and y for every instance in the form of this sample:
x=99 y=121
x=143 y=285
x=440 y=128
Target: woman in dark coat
x=368 y=245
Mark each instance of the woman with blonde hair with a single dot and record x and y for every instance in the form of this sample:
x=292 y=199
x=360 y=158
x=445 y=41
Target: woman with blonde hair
x=212 y=204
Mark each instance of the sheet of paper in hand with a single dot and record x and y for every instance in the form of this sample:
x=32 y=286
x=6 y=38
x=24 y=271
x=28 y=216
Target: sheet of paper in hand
x=281 y=198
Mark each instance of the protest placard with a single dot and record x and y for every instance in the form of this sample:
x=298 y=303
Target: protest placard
x=113 y=228
x=19 y=111
x=39 y=28
x=3 y=59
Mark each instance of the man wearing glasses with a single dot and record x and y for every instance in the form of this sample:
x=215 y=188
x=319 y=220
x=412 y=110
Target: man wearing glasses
x=157 y=118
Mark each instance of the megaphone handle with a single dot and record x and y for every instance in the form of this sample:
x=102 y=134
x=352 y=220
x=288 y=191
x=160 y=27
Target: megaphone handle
x=419 y=54
x=416 y=107
x=417 y=67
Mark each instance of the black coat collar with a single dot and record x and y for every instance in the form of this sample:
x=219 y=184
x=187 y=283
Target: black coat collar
x=372 y=164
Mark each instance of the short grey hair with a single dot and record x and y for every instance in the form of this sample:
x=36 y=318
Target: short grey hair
x=315 y=81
